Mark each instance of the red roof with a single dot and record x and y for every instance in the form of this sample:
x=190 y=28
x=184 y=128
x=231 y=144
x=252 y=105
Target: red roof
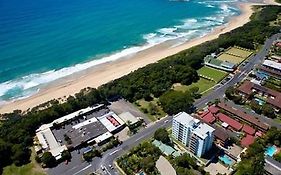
x=243 y=116
x=247 y=88
x=248 y=129
x=203 y=114
x=248 y=140
x=233 y=123
x=209 y=118
x=213 y=109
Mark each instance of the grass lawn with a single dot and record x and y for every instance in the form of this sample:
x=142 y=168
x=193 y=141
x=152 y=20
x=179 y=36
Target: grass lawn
x=216 y=75
x=151 y=109
x=278 y=120
x=33 y=168
x=203 y=85
x=230 y=58
x=239 y=52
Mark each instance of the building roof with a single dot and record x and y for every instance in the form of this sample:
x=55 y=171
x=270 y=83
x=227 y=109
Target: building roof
x=103 y=137
x=243 y=116
x=248 y=140
x=272 y=166
x=271 y=71
x=272 y=64
x=164 y=166
x=209 y=118
x=166 y=149
x=127 y=116
x=213 y=109
x=111 y=121
x=221 y=134
x=184 y=119
x=228 y=65
x=202 y=130
x=248 y=129
x=275 y=97
x=70 y=116
x=233 y=123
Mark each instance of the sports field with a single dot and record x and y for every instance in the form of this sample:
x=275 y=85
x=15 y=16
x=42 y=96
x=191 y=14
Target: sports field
x=230 y=58
x=202 y=84
x=215 y=74
x=239 y=52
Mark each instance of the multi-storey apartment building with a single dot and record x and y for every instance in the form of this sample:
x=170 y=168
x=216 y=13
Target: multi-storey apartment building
x=197 y=136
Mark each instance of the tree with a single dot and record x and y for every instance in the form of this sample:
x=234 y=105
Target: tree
x=48 y=159
x=174 y=102
x=230 y=92
x=65 y=155
x=148 y=164
x=268 y=111
x=162 y=135
x=277 y=157
x=185 y=161
x=20 y=154
x=256 y=107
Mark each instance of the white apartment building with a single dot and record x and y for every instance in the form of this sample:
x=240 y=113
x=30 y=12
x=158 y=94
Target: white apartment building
x=197 y=136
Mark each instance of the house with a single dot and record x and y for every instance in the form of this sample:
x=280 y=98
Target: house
x=240 y=115
x=271 y=96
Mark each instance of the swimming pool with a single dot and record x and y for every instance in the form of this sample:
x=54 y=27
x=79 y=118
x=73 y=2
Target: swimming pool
x=259 y=101
x=226 y=159
x=271 y=150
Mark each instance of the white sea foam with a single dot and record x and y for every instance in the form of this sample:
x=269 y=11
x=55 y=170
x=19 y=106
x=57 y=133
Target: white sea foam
x=188 y=29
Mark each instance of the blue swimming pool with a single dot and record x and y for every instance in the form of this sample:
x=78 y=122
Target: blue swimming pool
x=226 y=159
x=259 y=101
x=271 y=150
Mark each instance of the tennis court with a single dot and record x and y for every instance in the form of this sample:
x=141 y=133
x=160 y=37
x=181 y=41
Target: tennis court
x=230 y=58
x=243 y=53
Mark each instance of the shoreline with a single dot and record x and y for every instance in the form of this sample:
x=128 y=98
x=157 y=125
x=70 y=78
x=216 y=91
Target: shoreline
x=109 y=71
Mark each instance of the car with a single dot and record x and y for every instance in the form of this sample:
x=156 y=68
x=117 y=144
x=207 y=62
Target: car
x=110 y=166
x=103 y=168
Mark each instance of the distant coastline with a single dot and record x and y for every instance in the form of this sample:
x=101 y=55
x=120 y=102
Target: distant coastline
x=106 y=72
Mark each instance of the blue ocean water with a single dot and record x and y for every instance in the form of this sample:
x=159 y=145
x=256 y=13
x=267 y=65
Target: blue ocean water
x=43 y=40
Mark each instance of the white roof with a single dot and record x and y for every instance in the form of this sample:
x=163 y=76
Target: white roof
x=225 y=125
x=184 y=118
x=48 y=142
x=69 y=116
x=56 y=152
x=108 y=124
x=200 y=129
x=127 y=116
x=103 y=137
x=203 y=129
x=84 y=123
x=272 y=64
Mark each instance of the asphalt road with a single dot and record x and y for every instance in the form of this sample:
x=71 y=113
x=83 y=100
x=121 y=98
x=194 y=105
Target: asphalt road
x=76 y=167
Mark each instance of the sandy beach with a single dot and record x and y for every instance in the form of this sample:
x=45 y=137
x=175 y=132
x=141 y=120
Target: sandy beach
x=106 y=72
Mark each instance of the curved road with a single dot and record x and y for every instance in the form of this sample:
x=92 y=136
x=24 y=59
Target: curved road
x=82 y=168
x=218 y=92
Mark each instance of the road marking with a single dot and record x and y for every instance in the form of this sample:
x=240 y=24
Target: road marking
x=114 y=151
x=83 y=169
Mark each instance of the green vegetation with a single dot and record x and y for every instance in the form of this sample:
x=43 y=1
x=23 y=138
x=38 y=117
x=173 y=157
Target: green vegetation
x=240 y=52
x=212 y=73
x=203 y=85
x=273 y=83
x=156 y=79
x=32 y=168
x=48 y=159
x=141 y=158
x=230 y=58
x=176 y=101
x=162 y=135
x=151 y=108
x=253 y=161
